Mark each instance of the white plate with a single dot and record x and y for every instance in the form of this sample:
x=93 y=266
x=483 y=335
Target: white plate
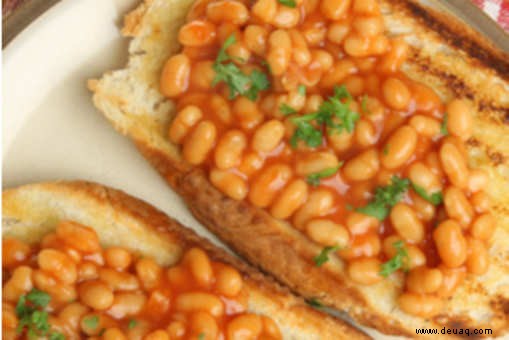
x=51 y=130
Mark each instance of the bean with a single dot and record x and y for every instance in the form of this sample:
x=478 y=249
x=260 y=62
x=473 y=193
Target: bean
x=319 y=203
x=356 y=45
x=200 y=266
x=200 y=142
x=425 y=126
x=268 y=136
x=246 y=326
x=477 y=180
x=59 y=292
x=95 y=294
x=327 y=233
x=220 y=108
x=451 y=244
x=358 y=223
x=280 y=46
x=334 y=9
x=365 y=7
x=19 y=283
x=481 y=202
x=365 y=133
x=365 y=271
x=175 y=75
x=265 y=10
x=117 y=258
x=451 y=278
x=337 y=73
x=478 y=258
x=196 y=301
x=396 y=93
x=300 y=51
x=247 y=113
x=286 y=17
x=231 y=11
x=149 y=272
x=197 y=33
x=460 y=121
x=203 y=325
x=362 y=167
x=423 y=177
x=424 y=280
x=457 y=206
x=228 y=152
x=255 y=38
x=483 y=227
x=454 y=165
x=202 y=75
x=127 y=304
x=14 y=252
x=113 y=334
x=337 y=32
x=315 y=162
x=228 y=281
x=400 y=146
x=270 y=328
x=420 y=304
x=366 y=245
x=265 y=186
x=72 y=314
x=405 y=221
x=78 y=236
x=341 y=142
x=369 y=26
x=118 y=280
x=425 y=210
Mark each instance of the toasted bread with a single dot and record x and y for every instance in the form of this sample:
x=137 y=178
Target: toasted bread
x=32 y=211
x=445 y=54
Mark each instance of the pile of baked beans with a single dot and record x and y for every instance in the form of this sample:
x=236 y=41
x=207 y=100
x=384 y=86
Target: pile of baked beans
x=308 y=49
x=113 y=294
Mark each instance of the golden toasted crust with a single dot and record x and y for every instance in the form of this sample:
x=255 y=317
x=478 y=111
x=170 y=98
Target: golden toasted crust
x=31 y=211
x=452 y=59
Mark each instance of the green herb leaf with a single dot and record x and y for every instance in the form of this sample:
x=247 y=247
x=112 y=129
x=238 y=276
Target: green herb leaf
x=314 y=179
x=399 y=260
x=314 y=303
x=334 y=114
x=56 y=336
x=201 y=336
x=92 y=321
x=287 y=109
x=301 y=90
x=323 y=257
x=31 y=314
x=385 y=198
x=132 y=323
x=443 y=126
x=288 y=3
x=247 y=85
x=435 y=198
x=38 y=298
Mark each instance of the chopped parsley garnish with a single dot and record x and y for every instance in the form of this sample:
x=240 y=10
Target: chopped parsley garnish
x=92 y=321
x=324 y=255
x=132 y=323
x=238 y=82
x=288 y=3
x=435 y=198
x=385 y=198
x=301 y=89
x=334 y=114
x=32 y=316
x=364 y=104
x=314 y=303
x=287 y=109
x=201 y=336
x=314 y=179
x=398 y=261
x=443 y=126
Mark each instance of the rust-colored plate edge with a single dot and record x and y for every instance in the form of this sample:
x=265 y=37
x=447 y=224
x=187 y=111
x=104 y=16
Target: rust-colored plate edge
x=22 y=16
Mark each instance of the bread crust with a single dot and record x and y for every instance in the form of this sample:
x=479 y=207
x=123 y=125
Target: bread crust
x=454 y=60
x=47 y=203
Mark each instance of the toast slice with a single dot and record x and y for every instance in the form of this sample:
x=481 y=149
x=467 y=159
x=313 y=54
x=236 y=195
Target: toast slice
x=445 y=54
x=32 y=211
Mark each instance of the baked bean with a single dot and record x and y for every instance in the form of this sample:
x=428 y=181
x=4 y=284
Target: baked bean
x=117 y=258
x=139 y=331
x=393 y=60
x=315 y=162
x=459 y=119
x=425 y=210
x=200 y=266
x=362 y=191
x=432 y=161
x=365 y=6
x=420 y=304
x=388 y=245
x=118 y=280
x=341 y=141
x=197 y=33
x=425 y=98
x=240 y=54
x=228 y=281
x=220 y=108
x=251 y=162
x=265 y=10
x=451 y=244
x=268 y=136
x=300 y=51
x=59 y=292
x=477 y=180
x=454 y=165
x=379 y=45
x=87 y=271
x=234 y=12
x=425 y=126
x=423 y=177
x=14 y=252
x=369 y=26
x=175 y=75
x=247 y=113
x=291 y=198
x=338 y=31
x=483 y=227
x=478 y=258
x=197 y=301
x=204 y=326
x=356 y=45
x=362 y=167
x=127 y=304
x=286 y=17
x=19 y=283
x=200 y=142
x=71 y=314
x=457 y=206
x=113 y=334
x=365 y=133
x=337 y=73
x=270 y=328
x=280 y=49
x=358 y=223
x=319 y=203
x=157 y=335
x=255 y=39
x=407 y=224
x=176 y=329
x=78 y=236
x=323 y=58
x=451 y=278
x=202 y=75
x=365 y=271
x=96 y=295
x=246 y=326
x=355 y=85
x=228 y=152
x=396 y=93
x=265 y=187
x=400 y=147
x=366 y=245
x=334 y=9
x=158 y=302
x=327 y=233
x=458 y=143
x=94 y=323
x=480 y=201
x=424 y=280
x=183 y=122
x=148 y=272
